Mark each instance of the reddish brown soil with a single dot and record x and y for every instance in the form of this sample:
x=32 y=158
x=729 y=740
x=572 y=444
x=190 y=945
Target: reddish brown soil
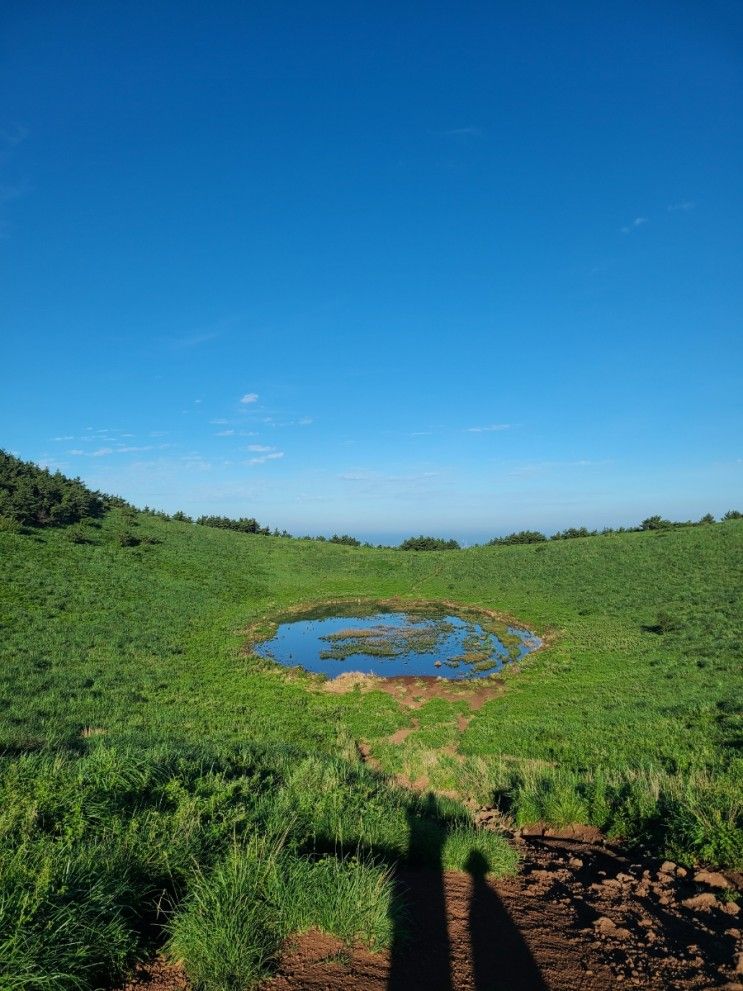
x=579 y=916
x=159 y=976
x=414 y=691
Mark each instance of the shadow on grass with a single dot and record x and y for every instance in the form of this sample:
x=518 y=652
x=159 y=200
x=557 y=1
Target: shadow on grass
x=421 y=952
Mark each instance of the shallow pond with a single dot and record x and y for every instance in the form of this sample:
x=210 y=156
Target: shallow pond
x=391 y=643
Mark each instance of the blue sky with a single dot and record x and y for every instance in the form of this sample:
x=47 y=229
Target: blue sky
x=377 y=268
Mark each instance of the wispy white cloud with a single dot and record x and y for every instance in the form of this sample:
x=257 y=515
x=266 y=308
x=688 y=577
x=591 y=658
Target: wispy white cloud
x=634 y=225
x=103 y=452
x=304 y=421
x=224 y=433
x=683 y=207
x=249 y=397
x=491 y=428
x=220 y=421
x=273 y=456
x=65 y=437
x=259 y=447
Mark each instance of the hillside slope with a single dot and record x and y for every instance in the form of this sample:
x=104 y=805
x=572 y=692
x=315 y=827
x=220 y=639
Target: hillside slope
x=128 y=701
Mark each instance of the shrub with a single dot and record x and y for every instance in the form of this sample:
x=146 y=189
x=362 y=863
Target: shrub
x=230 y=929
x=77 y=535
x=428 y=544
x=656 y=523
x=572 y=532
x=125 y=538
x=522 y=537
x=242 y=525
x=666 y=623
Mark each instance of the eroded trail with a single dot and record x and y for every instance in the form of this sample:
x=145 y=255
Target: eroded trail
x=579 y=915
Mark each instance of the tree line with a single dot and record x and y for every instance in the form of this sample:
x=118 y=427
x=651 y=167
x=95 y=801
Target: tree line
x=36 y=497
x=650 y=523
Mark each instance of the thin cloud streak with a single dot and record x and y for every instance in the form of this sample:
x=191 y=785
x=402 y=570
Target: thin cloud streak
x=492 y=428
x=273 y=456
x=636 y=223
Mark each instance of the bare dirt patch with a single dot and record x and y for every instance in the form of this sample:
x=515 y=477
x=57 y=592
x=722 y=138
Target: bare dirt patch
x=160 y=975
x=579 y=916
x=400 y=735
x=413 y=692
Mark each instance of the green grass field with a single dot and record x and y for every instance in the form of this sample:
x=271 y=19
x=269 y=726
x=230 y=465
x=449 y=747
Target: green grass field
x=153 y=769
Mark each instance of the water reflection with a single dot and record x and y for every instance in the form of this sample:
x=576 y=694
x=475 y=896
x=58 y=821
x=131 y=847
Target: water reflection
x=394 y=643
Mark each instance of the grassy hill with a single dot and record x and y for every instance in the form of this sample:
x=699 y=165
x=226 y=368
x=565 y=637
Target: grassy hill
x=150 y=761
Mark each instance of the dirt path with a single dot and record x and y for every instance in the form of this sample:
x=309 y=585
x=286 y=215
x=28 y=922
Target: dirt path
x=578 y=917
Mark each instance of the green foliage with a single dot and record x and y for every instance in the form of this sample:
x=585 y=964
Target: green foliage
x=243 y=525
x=33 y=496
x=344 y=539
x=656 y=523
x=77 y=534
x=522 y=537
x=733 y=514
x=666 y=623
x=572 y=533
x=125 y=538
x=232 y=926
x=428 y=544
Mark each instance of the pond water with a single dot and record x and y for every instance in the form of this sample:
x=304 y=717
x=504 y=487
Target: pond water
x=391 y=643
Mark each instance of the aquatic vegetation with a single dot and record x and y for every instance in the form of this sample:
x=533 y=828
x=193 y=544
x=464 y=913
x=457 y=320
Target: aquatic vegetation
x=420 y=642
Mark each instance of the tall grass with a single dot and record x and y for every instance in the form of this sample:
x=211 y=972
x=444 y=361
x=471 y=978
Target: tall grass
x=235 y=919
x=230 y=849
x=691 y=818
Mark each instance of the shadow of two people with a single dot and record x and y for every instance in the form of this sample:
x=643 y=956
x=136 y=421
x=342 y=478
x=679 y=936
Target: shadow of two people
x=421 y=948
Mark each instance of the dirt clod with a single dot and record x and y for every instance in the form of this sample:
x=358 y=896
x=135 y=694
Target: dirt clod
x=712 y=879
x=700 y=903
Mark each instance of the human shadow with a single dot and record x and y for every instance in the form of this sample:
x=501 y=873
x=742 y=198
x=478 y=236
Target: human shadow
x=501 y=959
x=420 y=951
x=424 y=954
